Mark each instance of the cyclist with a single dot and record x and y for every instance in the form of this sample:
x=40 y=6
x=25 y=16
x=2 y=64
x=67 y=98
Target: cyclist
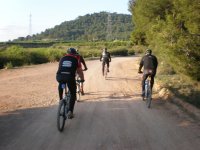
x=106 y=58
x=80 y=70
x=150 y=63
x=66 y=75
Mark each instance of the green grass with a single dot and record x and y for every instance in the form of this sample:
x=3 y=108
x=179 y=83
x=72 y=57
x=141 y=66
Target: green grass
x=19 y=56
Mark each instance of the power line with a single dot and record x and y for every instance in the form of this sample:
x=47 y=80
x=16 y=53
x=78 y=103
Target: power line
x=109 y=27
x=30 y=24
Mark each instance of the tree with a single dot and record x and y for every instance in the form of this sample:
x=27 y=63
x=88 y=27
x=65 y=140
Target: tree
x=171 y=27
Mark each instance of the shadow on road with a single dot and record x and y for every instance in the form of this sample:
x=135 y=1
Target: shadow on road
x=13 y=123
x=36 y=127
x=109 y=95
x=121 y=78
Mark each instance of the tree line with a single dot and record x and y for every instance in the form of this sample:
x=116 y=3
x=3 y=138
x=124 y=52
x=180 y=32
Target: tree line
x=171 y=28
x=91 y=27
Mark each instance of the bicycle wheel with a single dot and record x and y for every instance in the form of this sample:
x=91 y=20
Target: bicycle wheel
x=148 y=97
x=61 y=115
x=105 y=71
x=78 y=92
x=144 y=98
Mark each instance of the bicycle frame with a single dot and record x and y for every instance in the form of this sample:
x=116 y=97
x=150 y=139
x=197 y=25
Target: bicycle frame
x=67 y=94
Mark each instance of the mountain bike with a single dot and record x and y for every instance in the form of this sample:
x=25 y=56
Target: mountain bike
x=63 y=108
x=78 y=89
x=148 y=92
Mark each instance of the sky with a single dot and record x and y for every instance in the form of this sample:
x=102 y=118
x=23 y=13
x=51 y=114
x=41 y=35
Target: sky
x=15 y=14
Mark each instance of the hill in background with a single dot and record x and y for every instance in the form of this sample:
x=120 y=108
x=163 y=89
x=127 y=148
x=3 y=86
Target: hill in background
x=91 y=27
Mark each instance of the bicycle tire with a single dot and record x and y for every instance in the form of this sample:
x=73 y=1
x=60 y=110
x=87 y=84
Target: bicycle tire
x=105 y=72
x=78 y=92
x=61 y=115
x=148 y=101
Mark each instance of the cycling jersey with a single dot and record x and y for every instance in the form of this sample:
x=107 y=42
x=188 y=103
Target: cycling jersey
x=149 y=62
x=105 y=56
x=67 y=68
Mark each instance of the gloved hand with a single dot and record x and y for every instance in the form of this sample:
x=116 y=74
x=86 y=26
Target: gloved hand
x=140 y=71
x=85 y=69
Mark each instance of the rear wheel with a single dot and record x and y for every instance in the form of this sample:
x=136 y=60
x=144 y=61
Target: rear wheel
x=105 y=71
x=61 y=115
x=148 y=97
x=78 y=92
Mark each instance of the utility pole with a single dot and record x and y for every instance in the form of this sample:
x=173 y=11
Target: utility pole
x=30 y=24
x=109 y=28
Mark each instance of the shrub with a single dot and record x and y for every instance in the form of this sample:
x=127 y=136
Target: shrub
x=8 y=65
x=119 y=52
x=131 y=52
x=54 y=54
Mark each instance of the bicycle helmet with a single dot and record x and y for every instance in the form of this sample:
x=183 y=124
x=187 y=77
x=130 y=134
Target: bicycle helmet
x=105 y=49
x=148 y=51
x=71 y=50
x=77 y=52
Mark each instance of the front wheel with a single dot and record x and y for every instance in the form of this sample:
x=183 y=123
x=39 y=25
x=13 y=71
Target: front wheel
x=61 y=117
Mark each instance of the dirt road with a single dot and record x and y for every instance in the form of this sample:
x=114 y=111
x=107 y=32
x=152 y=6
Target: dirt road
x=111 y=116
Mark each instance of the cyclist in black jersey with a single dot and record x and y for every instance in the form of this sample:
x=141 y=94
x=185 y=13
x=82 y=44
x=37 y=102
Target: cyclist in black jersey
x=106 y=59
x=66 y=74
x=150 y=63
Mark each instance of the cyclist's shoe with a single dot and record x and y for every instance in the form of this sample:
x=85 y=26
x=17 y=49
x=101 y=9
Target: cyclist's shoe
x=82 y=93
x=70 y=115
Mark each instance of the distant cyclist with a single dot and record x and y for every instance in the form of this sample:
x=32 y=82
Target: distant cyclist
x=106 y=58
x=150 y=63
x=66 y=75
x=80 y=70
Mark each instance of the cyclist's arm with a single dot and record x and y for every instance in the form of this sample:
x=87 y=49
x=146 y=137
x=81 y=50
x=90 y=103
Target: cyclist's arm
x=100 y=57
x=141 y=65
x=83 y=62
x=109 y=57
x=156 y=62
